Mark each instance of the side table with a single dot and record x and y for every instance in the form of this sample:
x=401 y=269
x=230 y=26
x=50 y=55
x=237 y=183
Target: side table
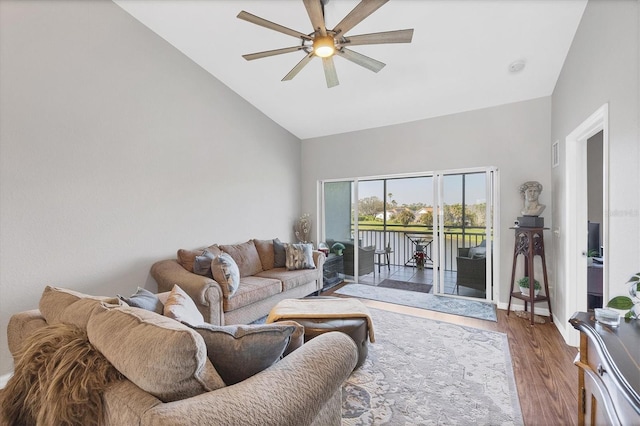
x=333 y=267
x=384 y=258
x=529 y=242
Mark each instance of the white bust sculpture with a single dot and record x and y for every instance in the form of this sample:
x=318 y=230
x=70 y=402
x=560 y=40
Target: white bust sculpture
x=530 y=191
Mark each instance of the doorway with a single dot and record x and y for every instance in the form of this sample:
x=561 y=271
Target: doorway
x=595 y=215
x=577 y=214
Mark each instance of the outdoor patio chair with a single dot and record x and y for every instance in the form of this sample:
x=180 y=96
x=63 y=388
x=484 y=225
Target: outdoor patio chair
x=472 y=270
x=366 y=258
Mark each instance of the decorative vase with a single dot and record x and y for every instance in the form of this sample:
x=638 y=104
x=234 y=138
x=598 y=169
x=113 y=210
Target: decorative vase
x=525 y=291
x=302 y=228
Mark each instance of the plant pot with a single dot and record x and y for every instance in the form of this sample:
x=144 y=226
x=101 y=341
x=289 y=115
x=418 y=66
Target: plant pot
x=525 y=291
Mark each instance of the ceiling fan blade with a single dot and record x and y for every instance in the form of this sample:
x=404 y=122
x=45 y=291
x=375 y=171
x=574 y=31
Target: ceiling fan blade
x=314 y=10
x=361 y=11
x=398 y=36
x=361 y=59
x=267 y=53
x=330 y=73
x=298 y=67
x=246 y=16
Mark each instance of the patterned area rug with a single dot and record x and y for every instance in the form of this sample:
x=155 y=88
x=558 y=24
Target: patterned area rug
x=425 y=372
x=449 y=305
x=406 y=285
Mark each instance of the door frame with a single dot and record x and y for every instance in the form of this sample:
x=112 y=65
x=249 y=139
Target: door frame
x=576 y=216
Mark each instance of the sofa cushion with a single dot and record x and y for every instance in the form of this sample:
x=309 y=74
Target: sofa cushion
x=240 y=351
x=246 y=257
x=144 y=299
x=265 y=251
x=79 y=312
x=299 y=256
x=226 y=273
x=181 y=307
x=55 y=300
x=186 y=258
x=251 y=290
x=279 y=254
x=290 y=279
x=159 y=355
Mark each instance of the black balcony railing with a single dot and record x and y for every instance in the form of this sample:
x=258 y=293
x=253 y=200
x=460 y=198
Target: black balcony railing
x=403 y=243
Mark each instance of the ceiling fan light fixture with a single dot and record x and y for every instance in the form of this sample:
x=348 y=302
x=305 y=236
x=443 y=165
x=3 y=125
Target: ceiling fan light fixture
x=324 y=46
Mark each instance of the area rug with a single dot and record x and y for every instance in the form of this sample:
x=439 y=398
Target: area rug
x=449 y=305
x=406 y=285
x=425 y=372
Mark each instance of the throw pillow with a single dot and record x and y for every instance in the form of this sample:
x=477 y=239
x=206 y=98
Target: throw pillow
x=279 y=254
x=299 y=256
x=59 y=378
x=246 y=257
x=202 y=263
x=226 y=273
x=240 y=351
x=265 y=251
x=144 y=299
x=186 y=258
x=477 y=252
x=181 y=307
x=297 y=338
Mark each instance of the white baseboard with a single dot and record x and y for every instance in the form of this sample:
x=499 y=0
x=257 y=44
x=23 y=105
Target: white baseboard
x=4 y=379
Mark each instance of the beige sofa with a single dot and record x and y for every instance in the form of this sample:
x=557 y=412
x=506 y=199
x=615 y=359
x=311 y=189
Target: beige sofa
x=263 y=283
x=168 y=378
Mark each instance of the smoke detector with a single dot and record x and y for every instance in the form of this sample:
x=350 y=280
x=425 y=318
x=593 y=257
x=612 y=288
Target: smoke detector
x=517 y=66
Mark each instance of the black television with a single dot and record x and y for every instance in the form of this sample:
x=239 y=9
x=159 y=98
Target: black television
x=593 y=238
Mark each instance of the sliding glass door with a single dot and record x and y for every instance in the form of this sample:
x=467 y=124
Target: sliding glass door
x=434 y=228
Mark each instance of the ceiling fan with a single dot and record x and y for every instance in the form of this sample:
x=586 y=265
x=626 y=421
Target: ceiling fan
x=326 y=43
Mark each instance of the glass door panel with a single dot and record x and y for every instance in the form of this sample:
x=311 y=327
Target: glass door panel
x=466 y=227
x=410 y=224
x=337 y=210
x=339 y=225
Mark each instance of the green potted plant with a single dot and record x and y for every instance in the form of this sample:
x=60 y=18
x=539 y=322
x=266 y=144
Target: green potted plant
x=591 y=253
x=523 y=283
x=337 y=248
x=629 y=304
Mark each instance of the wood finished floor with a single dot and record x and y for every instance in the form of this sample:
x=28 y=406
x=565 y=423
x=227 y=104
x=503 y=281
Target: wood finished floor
x=543 y=366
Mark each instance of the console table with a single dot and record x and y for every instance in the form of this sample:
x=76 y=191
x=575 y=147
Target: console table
x=609 y=371
x=529 y=242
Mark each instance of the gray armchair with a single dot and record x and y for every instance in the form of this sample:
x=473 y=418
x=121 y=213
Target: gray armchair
x=472 y=270
x=366 y=260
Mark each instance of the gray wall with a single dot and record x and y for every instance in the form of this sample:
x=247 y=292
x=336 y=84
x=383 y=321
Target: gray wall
x=602 y=67
x=514 y=138
x=116 y=150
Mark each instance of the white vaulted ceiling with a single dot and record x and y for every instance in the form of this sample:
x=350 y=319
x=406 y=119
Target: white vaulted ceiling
x=458 y=60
